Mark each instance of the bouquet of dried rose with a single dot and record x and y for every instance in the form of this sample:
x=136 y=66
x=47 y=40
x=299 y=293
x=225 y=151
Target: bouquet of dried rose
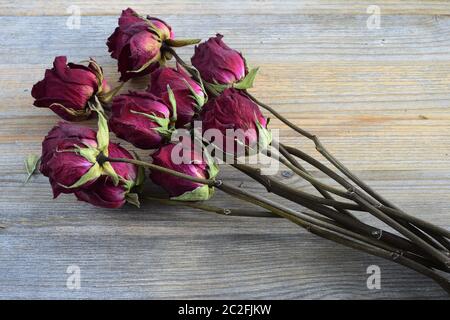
x=194 y=117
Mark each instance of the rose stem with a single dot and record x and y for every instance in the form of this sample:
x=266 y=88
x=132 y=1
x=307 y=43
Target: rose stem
x=353 y=194
x=337 y=234
x=318 y=227
x=214 y=209
x=321 y=149
x=439 y=232
x=437 y=240
x=209 y=182
x=280 y=189
x=162 y=169
x=294 y=162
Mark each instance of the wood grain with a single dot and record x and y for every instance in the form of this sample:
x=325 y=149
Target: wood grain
x=230 y=7
x=379 y=99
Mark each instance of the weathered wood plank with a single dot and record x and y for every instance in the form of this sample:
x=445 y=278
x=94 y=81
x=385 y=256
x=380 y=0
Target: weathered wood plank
x=338 y=38
x=378 y=98
x=233 y=7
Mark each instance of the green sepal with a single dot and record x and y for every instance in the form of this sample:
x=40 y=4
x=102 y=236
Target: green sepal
x=264 y=137
x=108 y=170
x=173 y=103
x=213 y=168
x=133 y=198
x=107 y=97
x=95 y=105
x=199 y=99
x=192 y=70
x=93 y=173
x=177 y=43
x=156 y=58
x=201 y=193
x=217 y=87
x=102 y=134
x=31 y=163
x=97 y=70
x=140 y=178
x=79 y=114
x=89 y=154
x=247 y=81
x=166 y=133
x=163 y=123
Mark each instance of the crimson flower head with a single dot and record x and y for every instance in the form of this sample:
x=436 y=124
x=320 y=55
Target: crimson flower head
x=234 y=123
x=67 y=88
x=70 y=160
x=140 y=118
x=103 y=192
x=186 y=160
x=136 y=44
x=218 y=63
x=189 y=95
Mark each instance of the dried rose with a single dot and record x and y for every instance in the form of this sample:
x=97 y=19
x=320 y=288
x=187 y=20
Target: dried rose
x=218 y=63
x=188 y=161
x=189 y=95
x=235 y=124
x=67 y=89
x=139 y=44
x=103 y=192
x=140 y=118
x=70 y=159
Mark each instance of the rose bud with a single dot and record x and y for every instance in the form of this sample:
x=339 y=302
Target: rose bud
x=67 y=88
x=189 y=95
x=218 y=63
x=141 y=44
x=70 y=159
x=136 y=44
x=103 y=192
x=239 y=125
x=64 y=131
x=188 y=161
x=140 y=118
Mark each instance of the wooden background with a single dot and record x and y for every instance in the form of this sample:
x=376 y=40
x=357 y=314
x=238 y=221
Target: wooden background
x=379 y=99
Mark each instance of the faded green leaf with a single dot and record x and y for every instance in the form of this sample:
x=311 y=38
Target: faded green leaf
x=93 y=173
x=133 y=198
x=181 y=42
x=201 y=193
x=264 y=137
x=31 y=163
x=247 y=82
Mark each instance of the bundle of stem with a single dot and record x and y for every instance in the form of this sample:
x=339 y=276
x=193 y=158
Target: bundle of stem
x=418 y=244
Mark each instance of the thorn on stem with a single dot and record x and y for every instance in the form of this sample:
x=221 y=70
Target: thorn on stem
x=377 y=234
